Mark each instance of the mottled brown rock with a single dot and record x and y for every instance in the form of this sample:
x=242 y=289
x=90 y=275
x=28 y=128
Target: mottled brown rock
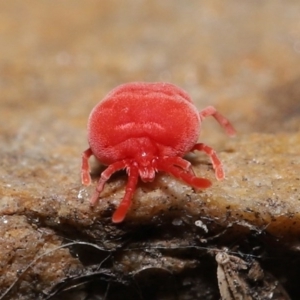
x=22 y=243
x=259 y=194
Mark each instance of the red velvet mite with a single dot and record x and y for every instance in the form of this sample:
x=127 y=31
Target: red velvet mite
x=145 y=128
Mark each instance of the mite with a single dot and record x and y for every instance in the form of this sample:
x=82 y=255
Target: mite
x=146 y=128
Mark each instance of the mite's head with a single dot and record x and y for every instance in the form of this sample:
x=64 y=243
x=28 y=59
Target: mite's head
x=145 y=158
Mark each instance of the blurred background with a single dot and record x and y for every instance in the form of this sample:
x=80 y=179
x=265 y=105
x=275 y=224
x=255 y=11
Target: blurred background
x=58 y=59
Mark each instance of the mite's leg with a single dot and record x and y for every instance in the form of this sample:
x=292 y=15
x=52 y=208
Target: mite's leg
x=85 y=167
x=211 y=111
x=105 y=175
x=183 y=175
x=179 y=162
x=217 y=165
x=122 y=209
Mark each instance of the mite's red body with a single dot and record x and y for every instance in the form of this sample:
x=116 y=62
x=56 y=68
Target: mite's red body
x=145 y=128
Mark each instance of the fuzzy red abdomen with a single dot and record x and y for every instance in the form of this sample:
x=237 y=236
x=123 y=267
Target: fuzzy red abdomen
x=158 y=112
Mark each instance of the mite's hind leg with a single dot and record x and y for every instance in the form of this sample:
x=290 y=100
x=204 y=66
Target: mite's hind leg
x=224 y=122
x=217 y=165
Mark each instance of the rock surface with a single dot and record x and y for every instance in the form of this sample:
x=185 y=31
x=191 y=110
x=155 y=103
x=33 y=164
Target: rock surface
x=59 y=59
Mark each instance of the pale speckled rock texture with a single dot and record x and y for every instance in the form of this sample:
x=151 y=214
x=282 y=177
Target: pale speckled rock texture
x=58 y=59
